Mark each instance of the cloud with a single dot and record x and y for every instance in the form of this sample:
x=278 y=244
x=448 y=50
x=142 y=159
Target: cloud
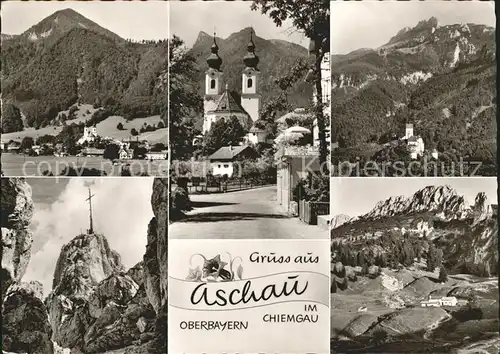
x=121 y=211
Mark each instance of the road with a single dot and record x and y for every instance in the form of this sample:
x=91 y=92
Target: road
x=250 y=214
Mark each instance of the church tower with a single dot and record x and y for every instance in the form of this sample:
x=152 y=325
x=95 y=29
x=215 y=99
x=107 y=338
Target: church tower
x=213 y=79
x=250 y=98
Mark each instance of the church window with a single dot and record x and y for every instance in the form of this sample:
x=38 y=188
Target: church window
x=218 y=166
x=249 y=83
x=212 y=84
x=226 y=166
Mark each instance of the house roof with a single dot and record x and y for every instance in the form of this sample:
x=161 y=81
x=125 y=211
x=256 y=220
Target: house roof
x=228 y=152
x=157 y=152
x=227 y=103
x=94 y=151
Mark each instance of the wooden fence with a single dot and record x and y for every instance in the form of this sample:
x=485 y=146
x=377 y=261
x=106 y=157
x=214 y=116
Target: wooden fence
x=309 y=211
x=221 y=186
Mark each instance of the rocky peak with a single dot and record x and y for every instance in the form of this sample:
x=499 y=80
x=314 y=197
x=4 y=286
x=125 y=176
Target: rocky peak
x=84 y=262
x=427 y=24
x=392 y=206
x=441 y=200
x=482 y=209
x=339 y=220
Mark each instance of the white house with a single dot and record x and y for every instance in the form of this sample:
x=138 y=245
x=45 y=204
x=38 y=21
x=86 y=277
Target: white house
x=157 y=155
x=222 y=161
x=438 y=302
x=89 y=135
x=256 y=135
x=430 y=303
x=221 y=104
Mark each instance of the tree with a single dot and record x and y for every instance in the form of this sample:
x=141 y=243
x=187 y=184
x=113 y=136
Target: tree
x=312 y=17
x=111 y=152
x=158 y=147
x=134 y=132
x=27 y=143
x=119 y=126
x=184 y=99
x=223 y=133
x=11 y=119
x=443 y=275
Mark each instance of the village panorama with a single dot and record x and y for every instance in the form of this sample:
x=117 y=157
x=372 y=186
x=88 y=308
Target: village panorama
x=70 y=108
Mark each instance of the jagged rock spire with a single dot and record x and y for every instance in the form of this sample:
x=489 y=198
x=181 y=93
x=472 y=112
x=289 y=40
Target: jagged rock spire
x=213 y=60
x=250 y=59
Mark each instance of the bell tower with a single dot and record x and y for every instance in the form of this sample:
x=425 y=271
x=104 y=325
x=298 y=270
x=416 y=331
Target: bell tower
x=213 y=85
x=250 y=98
x=213 y=76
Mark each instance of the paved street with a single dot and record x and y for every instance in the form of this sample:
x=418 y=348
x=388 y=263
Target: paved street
x=250 y=214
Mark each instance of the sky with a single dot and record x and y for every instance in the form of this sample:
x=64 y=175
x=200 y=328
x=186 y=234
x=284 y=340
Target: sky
x=121 y=211
x=129 y=19
x=357 y=196
x=370 y=24
x=227 y=17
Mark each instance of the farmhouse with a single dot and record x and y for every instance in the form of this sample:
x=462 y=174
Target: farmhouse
x=13 y=146
x=440 y=301
x=222 y=160
x=93 y=152
x=157 y=155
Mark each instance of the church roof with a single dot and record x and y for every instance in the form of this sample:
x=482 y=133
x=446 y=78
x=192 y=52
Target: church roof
x=227 y=103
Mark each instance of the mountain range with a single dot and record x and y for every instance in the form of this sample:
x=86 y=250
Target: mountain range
x=438 y=216
x=67 y=58
x=442 y=79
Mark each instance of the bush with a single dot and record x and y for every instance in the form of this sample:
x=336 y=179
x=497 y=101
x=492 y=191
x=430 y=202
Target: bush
x=179 y=200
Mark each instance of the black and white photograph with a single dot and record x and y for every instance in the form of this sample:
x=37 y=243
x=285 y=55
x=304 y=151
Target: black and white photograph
x=77 y=278
x=414 y=265
x=84 y=88
x=413 y=88
x=249 y=120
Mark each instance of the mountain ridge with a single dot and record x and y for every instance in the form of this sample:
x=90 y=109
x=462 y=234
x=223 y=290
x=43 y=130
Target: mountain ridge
x=438 y=215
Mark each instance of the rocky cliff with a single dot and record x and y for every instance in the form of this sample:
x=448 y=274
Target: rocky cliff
x=25 y=324
x=17 y=211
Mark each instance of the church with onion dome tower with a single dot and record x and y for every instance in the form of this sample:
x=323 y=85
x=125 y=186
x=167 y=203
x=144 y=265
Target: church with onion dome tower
x=220 y=103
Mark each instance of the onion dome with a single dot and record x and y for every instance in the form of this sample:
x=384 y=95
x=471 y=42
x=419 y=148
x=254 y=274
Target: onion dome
x=213 y=60
x=250 y=59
